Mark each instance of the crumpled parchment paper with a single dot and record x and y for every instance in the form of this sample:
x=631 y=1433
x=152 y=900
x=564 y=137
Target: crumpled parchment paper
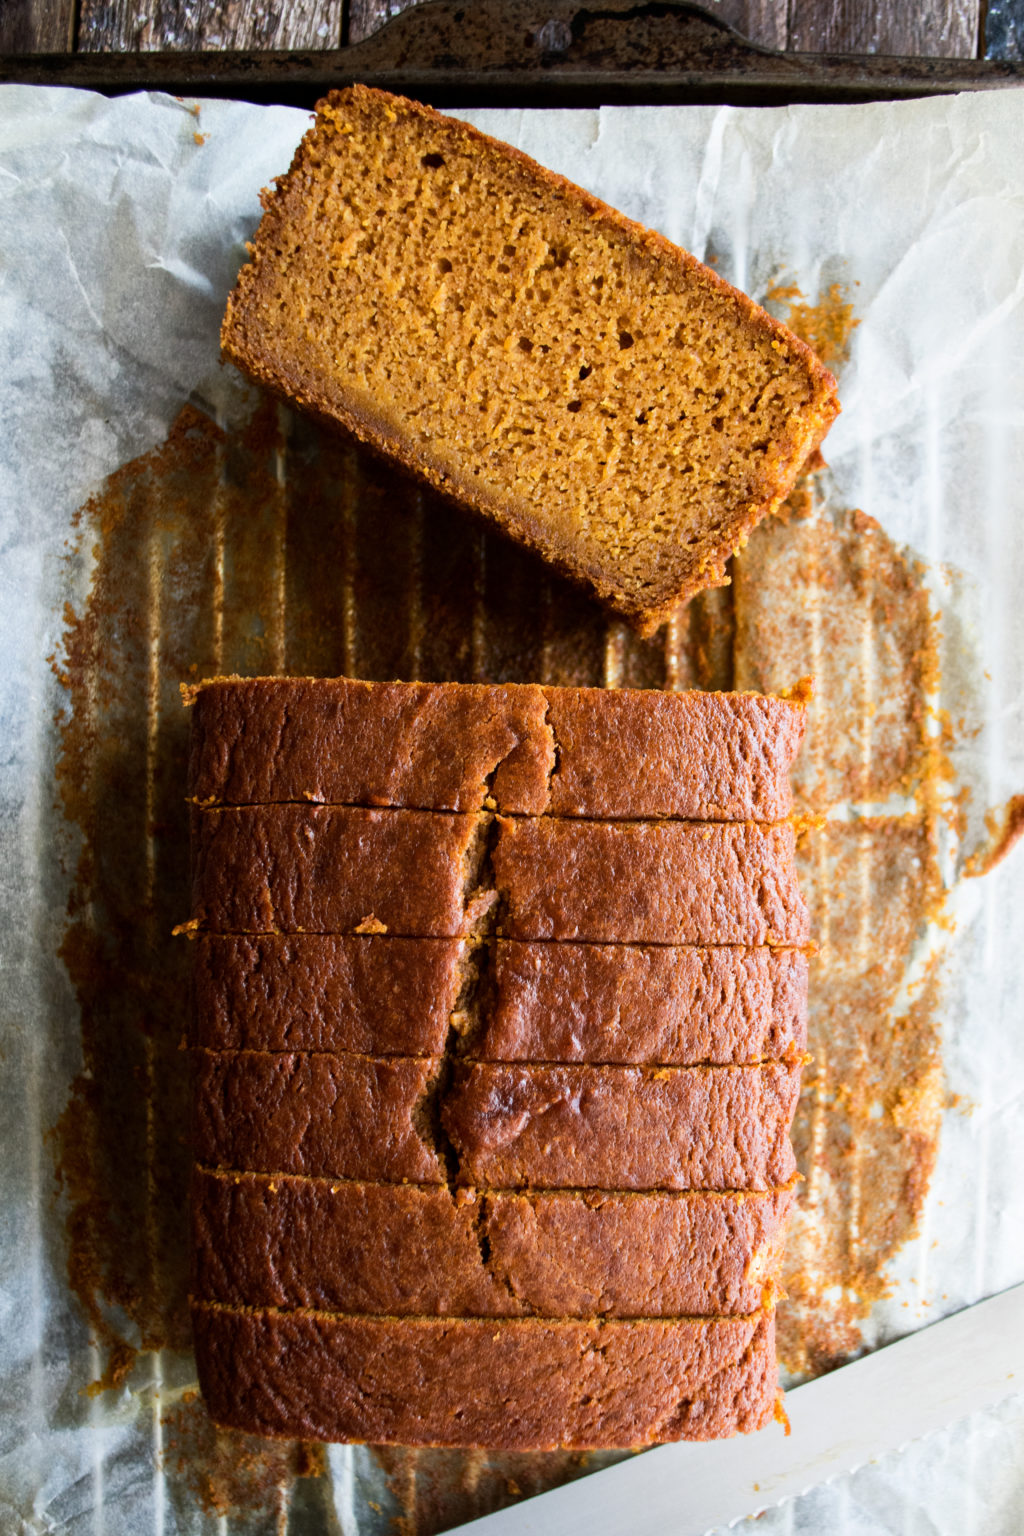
x=121 y=229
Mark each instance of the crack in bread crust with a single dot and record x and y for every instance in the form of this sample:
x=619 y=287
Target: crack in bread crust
x=520 y=749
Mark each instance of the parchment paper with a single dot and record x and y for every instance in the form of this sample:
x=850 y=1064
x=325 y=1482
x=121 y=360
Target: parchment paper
x=121 y=230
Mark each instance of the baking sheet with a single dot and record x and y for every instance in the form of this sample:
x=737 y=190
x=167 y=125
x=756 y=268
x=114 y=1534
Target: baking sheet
x=122 y=228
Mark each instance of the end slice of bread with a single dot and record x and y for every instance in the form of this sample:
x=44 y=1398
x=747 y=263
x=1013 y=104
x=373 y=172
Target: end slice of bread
x=592 y=390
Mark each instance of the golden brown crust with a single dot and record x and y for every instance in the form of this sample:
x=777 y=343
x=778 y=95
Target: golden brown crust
x=648 y=882
x=642 y=1128
x=357 y=1117
x=697 y=756
x=319 y=869
x=296 y=868
x=525 y=1384
x=370 y=994
x=524 y=749
x=376 y=995
x=342 y=741
x=281 y=1241
x=659 y=1004
x=511 y=1126
x=245 y=343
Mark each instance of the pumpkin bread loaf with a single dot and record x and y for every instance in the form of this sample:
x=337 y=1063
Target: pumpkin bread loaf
x=592 y=390
x=494 y=1075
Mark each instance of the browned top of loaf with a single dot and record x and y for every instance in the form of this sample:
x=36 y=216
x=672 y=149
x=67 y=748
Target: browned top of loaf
x=280 y=1241
x=585 y=1127
x=512 y=1126
x=289 y=868
x=657 y=1004
x=642 y=882
x=356 y=1117
x=518 y=748
x=517 y=1384
x=592 y=389
x=430 y=746
x=380 y=996
x=537 y=1002
x=318 y=869
x=297 y=868
x=699 y=756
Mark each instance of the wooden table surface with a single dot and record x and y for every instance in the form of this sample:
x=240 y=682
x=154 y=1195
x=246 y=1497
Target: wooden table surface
x=964 y=29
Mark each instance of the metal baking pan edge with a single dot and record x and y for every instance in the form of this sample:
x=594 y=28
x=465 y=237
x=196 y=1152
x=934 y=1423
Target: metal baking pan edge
x=529 y=53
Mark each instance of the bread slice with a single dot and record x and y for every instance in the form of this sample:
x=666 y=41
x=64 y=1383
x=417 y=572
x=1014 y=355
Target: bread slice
x=280 y=1241
x=321 y=869
x=622 y=1127
x=512 y=1001
x=428 y=746
x=524 y=1384
x=592 y=390
x=325 y=869
x=512 y=1126
x=517 y=748
x=699 y=756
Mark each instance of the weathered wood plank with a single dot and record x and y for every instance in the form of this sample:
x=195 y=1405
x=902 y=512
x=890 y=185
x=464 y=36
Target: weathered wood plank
x=948 y=30
x=366 y=16
x=951 y=29
x=1004 y=29
x=762 y=21
x=178 y=25
x=37 y=26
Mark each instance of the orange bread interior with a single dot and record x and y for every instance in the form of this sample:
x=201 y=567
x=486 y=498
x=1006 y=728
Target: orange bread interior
x=590 y=388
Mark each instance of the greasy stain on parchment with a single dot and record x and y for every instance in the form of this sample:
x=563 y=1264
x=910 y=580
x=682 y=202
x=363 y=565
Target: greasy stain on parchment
x=274 y=547
x=826 y=591
x=226 y=1471
x=833 y=590
x=826 y=326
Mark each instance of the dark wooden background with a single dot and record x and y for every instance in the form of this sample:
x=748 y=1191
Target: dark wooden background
x=963 y=29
